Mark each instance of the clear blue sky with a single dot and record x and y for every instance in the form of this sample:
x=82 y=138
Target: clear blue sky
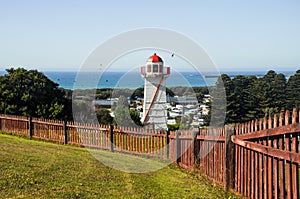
x=238 y=35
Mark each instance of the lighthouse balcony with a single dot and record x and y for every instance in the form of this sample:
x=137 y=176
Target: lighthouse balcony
x=153 y=71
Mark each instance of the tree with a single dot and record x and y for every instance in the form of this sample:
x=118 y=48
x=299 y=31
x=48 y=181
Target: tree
x=293 y=91
x=200 y=92
x=29 y=92
x=276 y=92
x=103 y=93
x=138 y=93
x=258 y=100
x=218 y=102
x=103 y=116
x=270 y=76
x=239 y=98
x=121 y=112
x=229 y=88
x=279 y=92
x=83 y=111
x=135 y=116
x=169 y=92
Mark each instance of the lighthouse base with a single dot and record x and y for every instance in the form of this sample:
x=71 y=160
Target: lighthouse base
x=157 y=118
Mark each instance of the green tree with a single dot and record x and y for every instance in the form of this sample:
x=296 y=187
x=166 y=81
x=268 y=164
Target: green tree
x=29 y=92
x=279 y=94
x=218 y=102
x=139 y=92
x=239 y=98
x=276 y=89
x=169 y=92
x=125 y=116
x=293 y=91
x=200 y=92
x=121 y=112
x=103 y=93
x=270 y=76
x=258 y=100
x=135 y=116
x=83 y=112
x=229 y=88
x=103 y=116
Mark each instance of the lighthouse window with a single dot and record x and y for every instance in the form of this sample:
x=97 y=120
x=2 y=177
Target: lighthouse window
x=148 y=68
x=155 y=68
x=160 y=68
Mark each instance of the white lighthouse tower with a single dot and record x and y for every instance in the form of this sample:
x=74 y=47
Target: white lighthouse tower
x=155 y=74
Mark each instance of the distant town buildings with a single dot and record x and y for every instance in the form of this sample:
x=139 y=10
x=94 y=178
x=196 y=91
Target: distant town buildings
x=157 y=109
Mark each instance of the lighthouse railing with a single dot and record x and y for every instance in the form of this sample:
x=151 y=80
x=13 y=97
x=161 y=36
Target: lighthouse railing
x=143 y=70
x=166 y=71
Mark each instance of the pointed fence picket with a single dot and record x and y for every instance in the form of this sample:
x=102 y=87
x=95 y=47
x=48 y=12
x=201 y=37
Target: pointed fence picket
x=258 y=159
x=267 y=154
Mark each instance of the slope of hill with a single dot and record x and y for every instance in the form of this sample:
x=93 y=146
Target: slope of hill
x=34 y=169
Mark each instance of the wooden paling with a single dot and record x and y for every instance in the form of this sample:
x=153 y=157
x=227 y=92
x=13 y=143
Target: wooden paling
x=258 y=159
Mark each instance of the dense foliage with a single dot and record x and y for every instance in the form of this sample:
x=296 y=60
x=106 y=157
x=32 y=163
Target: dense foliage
x=125 y=116
x=250 y=97
x=29 y=92
x=104 y=117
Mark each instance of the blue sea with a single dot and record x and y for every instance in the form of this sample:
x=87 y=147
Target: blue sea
x=87 y=80
x=133 y=80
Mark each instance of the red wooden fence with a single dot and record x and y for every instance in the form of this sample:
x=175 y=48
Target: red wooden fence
x=201 y=149
x=127 y=140
x=267 y=155
x=15 y=124
x=258 y=159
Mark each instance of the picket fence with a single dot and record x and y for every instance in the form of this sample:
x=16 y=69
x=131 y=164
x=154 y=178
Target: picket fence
x=257 y=159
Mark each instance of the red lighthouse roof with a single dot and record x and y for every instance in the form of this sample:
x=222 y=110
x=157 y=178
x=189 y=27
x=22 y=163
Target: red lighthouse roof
x=154 y=58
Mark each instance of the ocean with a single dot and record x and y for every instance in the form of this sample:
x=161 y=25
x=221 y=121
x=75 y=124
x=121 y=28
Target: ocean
x=130 y=80
x=133 y=80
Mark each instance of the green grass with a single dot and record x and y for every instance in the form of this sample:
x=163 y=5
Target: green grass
x=35 y=169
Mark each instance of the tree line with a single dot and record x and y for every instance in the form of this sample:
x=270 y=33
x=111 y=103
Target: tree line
x=31 y=93
x=251 y=97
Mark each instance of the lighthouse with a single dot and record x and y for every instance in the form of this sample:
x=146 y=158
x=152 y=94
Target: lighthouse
x=155 y=74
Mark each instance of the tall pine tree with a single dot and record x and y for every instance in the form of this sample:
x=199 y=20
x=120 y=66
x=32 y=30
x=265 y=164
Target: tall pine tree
x=239 y=98
x=279 y=92
x=293 y=91
x=218 y=104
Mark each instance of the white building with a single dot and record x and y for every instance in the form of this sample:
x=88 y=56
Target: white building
x=155 y=74
x=204 y=109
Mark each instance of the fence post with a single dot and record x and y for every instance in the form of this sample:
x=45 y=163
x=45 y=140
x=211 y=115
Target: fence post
x=30 y=127
x=168 y=143
x=65 y=131
x=178 y=148
x=111 y=137
x=229 y=158
x=196 y=146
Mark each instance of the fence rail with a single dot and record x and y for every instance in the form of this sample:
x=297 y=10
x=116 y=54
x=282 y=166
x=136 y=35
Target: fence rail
x=257 y=159
x=268 y=158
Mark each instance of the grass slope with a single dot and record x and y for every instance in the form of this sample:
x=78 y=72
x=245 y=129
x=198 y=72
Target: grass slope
x=34 y=169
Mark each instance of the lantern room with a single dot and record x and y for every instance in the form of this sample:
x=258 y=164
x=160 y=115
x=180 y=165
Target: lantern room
x=154 y=67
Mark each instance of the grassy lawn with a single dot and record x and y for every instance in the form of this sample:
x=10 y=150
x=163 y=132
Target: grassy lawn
x=34 y=169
